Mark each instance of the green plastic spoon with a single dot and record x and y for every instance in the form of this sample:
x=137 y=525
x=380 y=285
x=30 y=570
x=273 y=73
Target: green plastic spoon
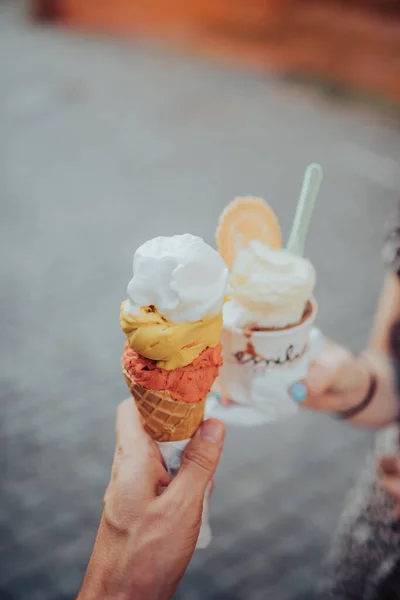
x=305 y=207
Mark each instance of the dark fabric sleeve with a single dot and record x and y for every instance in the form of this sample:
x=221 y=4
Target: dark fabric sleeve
x=391 y=257
x=391 y=248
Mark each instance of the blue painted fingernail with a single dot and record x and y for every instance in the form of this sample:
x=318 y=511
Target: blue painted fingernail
x=298 y=391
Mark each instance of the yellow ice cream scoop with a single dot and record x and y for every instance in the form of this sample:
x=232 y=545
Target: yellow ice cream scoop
x=172 y=345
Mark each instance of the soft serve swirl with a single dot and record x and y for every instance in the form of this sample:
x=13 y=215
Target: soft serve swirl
x=270 y=287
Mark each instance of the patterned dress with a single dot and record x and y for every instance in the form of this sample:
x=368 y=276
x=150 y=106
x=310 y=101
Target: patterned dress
x=364 y=563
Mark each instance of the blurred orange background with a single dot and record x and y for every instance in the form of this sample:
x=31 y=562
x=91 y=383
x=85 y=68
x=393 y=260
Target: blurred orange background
x=355 y=44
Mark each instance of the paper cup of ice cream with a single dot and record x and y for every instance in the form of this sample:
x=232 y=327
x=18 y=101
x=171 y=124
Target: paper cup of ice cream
x=259 y=365
x=268 y=338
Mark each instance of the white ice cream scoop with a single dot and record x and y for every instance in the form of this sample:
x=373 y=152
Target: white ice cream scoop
x=181 y=275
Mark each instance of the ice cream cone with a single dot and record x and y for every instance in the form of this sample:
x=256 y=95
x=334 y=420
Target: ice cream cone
x=165 y=419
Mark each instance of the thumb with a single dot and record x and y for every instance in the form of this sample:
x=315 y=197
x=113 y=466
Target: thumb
x=200 y=459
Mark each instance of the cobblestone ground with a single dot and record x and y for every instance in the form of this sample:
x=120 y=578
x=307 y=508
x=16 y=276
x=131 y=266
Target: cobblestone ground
x=104 y=144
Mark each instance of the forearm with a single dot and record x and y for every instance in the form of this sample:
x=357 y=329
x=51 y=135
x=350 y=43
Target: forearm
x=104 y=578
x=384 y=406
x=119 y=568
x=124 y=565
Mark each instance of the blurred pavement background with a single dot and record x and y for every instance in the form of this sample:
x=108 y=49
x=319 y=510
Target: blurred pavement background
x=104 y=144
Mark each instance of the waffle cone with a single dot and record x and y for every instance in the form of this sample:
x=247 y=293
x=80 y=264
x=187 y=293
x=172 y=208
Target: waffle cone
x=165 y=419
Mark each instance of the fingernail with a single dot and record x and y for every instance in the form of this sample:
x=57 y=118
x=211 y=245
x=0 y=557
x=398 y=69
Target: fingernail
x=212 y=431
x=298 y=391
